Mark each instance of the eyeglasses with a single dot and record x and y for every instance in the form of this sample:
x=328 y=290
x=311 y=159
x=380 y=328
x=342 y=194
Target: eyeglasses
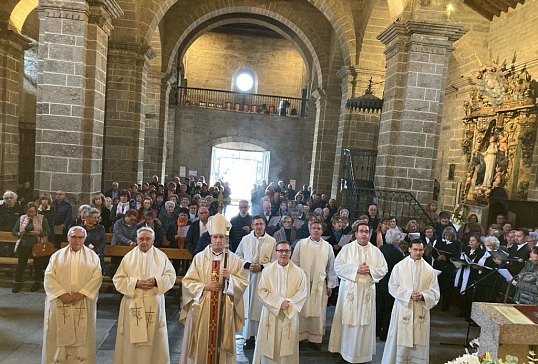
x=77 y=237
x=283 y=251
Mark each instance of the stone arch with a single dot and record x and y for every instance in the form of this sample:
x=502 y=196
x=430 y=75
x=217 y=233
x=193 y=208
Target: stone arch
x=341 y=21
x=310 y=53
x=222 y=141
x=20 y=12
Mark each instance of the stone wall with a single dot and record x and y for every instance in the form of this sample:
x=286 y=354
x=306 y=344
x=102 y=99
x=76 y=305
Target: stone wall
x=289 y=140
x=212 y=60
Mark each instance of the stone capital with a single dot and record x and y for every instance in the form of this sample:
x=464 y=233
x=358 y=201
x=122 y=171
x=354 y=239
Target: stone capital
x=102 y=12
x=168 y=79
x=140 y=51
x=420 y=36
x=72 y=10
x=15 y=40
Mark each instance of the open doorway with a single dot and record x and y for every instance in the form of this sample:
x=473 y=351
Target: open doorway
x=241 y=168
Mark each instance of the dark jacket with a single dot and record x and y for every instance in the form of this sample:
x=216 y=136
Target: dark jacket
x=524 y=253
x=63 y=213
x=96 y=237
x=237 y=232
x=527 y=285
x=9 y=216
x=393 y=255
x=123 y=233
x=203 y=242
x=193 y=235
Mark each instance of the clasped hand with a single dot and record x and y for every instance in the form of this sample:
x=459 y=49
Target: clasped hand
x=285 y=305
x=363 y=269
x=255 y=267
x=145 y=283
x=416 y=296
x=69 y=298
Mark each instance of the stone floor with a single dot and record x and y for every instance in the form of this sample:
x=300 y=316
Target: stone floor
x=21 y=323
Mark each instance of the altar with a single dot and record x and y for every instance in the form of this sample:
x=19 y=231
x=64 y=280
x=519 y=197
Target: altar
x=506 y=329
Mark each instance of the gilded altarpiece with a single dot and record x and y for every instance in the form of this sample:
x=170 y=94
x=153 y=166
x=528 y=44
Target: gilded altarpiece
x=500 y=133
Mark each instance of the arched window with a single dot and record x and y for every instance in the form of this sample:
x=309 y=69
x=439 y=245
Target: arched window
x=245 y=80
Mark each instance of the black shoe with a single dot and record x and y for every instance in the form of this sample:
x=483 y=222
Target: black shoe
x=315 y=346
x=249 y=344
x=36 y=287
x=341 y=360
x=16 y=287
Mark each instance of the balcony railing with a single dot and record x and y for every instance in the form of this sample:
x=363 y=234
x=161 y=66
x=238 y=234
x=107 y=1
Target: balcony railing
x=242 y=102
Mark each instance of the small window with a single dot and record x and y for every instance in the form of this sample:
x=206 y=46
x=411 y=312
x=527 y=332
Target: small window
x=451 y=172
x=245 y=79
x=245 y=82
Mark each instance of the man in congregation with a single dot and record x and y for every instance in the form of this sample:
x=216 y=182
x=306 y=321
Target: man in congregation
x=256 y=250
x=359 y=265
x=63 y=214
x=283 y=289
x=197 y=229
x=316 y=257
x=240 y=225
x=143 y=277
x=214 y=272
x=413 y=283
x=72 y=281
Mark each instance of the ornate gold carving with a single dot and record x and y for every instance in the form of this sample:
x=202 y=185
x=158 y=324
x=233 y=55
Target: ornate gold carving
x=499 y=135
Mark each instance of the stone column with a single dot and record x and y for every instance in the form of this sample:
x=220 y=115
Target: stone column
x=356 y=129
x=128 y=66
x=417 y=58
x=327 y=115
x=12 y=46
x=156 y=131
x=73 y=39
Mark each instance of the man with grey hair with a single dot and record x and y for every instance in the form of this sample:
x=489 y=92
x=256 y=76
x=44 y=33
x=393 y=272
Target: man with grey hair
x=240 y=225
x=143 y=277
x=72 y=281
x=10 y=211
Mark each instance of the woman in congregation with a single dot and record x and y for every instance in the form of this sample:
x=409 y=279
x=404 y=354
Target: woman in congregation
x=378 y=238
x=45 y=208
x=443 y=251
x=470 y=228
x=287 y=232
x=99 y=202
x=28 y=228
x=526 y=281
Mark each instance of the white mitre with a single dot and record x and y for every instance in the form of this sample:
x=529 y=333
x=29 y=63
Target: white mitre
x=218 y=224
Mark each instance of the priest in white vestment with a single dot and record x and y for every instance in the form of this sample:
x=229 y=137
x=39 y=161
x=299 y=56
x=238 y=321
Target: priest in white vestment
x=72 y=281
x=212 y=310
x=143 y=277
x=256 y=250
x=413 y=283
x=283 y=288
x=316 y=257
x=360 y=265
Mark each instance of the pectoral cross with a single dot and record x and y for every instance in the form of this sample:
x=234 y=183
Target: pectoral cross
x=406 y=360
x=64 y=311
x=79 y=311
x=136 y=313
x=149 y=317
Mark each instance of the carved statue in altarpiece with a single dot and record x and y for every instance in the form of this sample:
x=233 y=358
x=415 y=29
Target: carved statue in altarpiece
x=500 y=132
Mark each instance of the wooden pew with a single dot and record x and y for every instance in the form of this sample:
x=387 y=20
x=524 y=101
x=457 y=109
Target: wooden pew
x=7 y=237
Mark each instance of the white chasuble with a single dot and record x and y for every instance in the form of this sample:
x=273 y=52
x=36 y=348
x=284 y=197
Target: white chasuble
x=260 y=250
x=69 y=329
x=409 y=331
x=142 y=333
x=278 y=334
x=353 y=327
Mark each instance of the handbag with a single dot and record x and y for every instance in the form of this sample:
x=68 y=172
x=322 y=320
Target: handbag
x=43 y=247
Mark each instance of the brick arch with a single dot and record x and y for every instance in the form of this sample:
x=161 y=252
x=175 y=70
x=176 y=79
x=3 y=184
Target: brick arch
x=307 y=51
x=339 y=17
x=18 y=11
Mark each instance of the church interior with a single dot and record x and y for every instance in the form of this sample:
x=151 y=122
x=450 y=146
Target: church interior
x=433 y=99
x=95 y=91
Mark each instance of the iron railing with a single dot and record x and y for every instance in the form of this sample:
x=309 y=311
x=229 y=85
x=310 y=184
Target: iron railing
x=242 y=102
x=358 y=186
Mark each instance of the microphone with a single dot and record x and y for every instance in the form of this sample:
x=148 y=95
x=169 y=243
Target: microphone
x=519 y=260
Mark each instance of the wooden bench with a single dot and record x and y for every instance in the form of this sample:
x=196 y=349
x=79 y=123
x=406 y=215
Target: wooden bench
x=7 y=237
